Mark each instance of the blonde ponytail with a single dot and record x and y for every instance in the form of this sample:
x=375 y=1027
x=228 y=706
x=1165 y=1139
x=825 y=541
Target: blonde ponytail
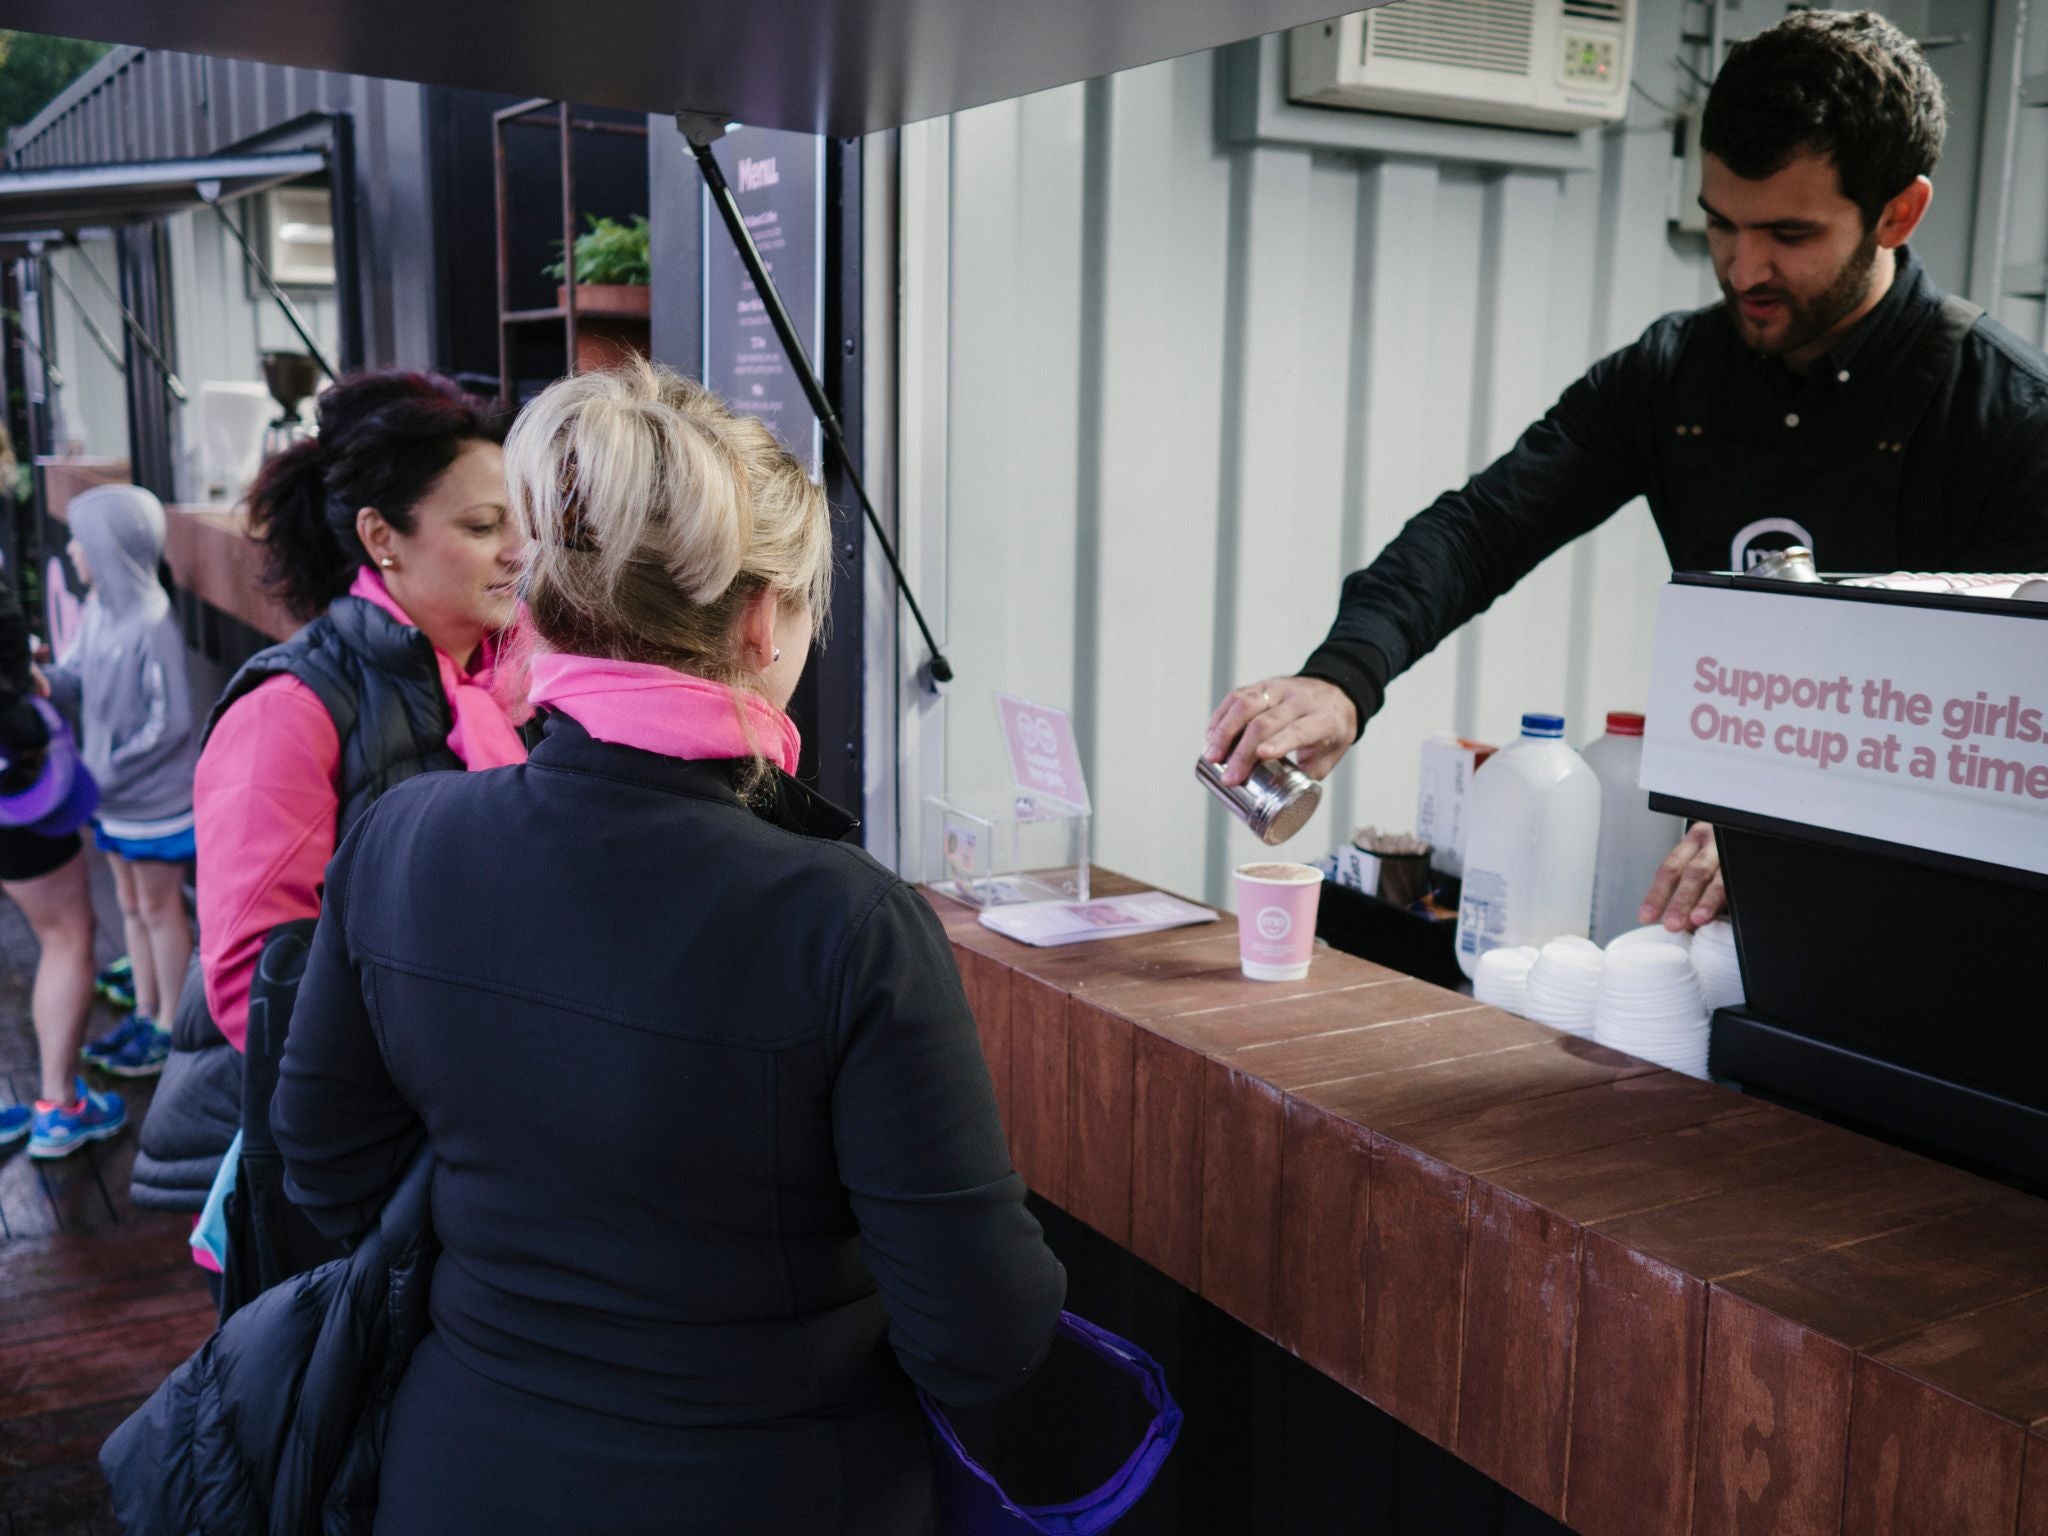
x=655 y=511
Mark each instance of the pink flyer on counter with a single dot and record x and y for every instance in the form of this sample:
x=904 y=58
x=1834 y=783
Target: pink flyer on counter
x=1043 y=757
x=1049 y=923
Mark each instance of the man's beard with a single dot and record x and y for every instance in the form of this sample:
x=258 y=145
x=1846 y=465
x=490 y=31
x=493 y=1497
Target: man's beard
x=1807 y=320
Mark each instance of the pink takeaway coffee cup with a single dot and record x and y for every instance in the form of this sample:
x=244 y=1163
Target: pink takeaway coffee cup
x=1276 y=919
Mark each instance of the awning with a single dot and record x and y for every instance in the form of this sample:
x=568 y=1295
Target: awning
x=820 y=66
x=71 y=198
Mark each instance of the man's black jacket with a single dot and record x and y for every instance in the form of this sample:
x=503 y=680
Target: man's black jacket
x=1690 y=418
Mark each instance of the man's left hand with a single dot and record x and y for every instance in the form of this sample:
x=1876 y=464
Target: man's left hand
x=1686 y=892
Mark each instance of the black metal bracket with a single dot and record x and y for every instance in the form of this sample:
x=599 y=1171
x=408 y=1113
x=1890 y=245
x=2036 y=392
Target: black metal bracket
x=703 y=129
x=51 y=372
x=99 y=337
x=135 y=327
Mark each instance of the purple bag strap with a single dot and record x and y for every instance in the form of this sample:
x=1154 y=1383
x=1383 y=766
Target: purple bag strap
x=1108 y=1504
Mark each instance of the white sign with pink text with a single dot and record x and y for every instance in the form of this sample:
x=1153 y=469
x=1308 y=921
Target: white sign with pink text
x=1043 y=757
x=1915 y=725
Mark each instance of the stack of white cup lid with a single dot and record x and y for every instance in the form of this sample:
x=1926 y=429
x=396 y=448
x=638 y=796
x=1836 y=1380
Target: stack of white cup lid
x=1650 y=1006
x=1564 y=985
x=1654 y=933
x=1502 y=978
x=1649 y=993
x=1713 y=960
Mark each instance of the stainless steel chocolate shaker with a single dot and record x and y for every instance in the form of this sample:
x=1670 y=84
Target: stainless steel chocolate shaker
x=1275 y=802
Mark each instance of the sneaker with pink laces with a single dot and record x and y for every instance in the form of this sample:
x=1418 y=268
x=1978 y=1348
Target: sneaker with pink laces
x=61 y=1129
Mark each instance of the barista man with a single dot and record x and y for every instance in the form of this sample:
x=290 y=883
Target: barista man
x=1835 y=398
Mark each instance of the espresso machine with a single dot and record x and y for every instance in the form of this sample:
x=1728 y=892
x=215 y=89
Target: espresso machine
x=290 y=378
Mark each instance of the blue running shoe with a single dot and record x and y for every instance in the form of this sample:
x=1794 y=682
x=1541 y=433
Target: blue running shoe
x=141 y=1054
x=117 y=984
x=61 y=1129
x=14 y=1123
x=97 y=1052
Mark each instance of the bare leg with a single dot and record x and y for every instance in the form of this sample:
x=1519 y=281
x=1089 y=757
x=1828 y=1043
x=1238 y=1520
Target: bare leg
x=160 y=894
x=58 y=907
x=142 y=967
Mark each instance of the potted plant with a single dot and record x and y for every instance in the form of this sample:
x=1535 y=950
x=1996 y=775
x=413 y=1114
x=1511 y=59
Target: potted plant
x=611 y=290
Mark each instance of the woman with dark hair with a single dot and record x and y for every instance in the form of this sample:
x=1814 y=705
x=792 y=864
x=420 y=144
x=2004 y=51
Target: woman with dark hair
x=389 y=532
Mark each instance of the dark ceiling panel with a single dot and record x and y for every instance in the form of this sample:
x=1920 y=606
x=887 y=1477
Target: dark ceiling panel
x=832 y=66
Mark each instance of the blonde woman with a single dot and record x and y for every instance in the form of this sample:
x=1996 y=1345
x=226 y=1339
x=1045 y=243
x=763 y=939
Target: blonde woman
x=718 y=1169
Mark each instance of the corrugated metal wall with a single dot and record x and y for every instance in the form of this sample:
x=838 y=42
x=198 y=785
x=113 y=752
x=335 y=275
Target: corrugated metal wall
x=2025 y=267
x=139 y=104
x=1185 y=385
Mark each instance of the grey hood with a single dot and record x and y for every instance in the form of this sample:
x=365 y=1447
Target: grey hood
x=139 y=737
x=121 y=530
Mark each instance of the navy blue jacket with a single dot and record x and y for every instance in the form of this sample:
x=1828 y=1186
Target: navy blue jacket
x=276 y=1424
x=719 y=1171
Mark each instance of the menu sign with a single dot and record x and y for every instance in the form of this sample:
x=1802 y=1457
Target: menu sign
x=778 y=180
x=1044 y=758
x=1921 y=726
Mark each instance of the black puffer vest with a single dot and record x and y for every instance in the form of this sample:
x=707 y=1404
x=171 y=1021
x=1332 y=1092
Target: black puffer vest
x=382 y=687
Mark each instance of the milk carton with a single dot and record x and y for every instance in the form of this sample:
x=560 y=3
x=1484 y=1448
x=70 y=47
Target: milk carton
x=1448 y=763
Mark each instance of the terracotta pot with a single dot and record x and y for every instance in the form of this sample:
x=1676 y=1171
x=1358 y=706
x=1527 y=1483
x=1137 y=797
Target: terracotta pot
x=611 y=323
x=613 y=301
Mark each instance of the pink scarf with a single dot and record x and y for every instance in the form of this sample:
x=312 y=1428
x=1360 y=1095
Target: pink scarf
x=482 y=735
x=637 y=704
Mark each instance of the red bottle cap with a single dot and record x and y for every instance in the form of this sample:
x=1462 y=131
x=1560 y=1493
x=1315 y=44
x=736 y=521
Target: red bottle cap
x=1620 y=723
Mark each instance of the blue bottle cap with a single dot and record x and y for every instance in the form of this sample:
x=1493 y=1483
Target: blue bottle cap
x=1545 y=726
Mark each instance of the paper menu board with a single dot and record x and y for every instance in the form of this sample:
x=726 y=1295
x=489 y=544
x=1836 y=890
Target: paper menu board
x=778 y=180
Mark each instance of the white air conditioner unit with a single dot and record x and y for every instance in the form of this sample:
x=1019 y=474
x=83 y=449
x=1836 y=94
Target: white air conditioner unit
x=1560 y=65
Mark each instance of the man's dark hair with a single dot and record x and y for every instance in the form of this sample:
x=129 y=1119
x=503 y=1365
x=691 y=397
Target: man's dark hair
x=1845 y=84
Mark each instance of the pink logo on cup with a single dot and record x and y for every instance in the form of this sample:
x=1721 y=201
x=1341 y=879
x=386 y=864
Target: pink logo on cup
x=1276 y=928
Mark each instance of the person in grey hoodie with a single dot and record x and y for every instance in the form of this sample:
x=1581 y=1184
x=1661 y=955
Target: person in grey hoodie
x=141 y=742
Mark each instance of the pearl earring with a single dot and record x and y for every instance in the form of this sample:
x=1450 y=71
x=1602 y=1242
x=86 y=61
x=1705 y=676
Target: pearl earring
x=386 y=561
x=776 y=657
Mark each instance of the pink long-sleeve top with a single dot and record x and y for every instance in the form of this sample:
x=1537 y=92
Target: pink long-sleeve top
x=267 y=799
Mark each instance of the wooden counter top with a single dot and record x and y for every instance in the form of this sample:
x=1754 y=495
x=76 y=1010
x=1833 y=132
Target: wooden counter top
x=1644 y=1303
x=67 y=475
x=213 y=557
